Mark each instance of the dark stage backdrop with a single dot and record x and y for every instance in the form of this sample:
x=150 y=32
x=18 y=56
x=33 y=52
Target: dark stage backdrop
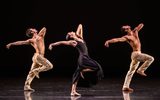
x=101 y=20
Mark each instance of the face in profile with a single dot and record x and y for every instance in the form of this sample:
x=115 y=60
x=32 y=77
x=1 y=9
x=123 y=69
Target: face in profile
x=126 y=28
x=31 y=31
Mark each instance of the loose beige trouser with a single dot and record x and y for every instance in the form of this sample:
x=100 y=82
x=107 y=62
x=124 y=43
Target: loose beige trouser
x=136 y=58
x=39 y=64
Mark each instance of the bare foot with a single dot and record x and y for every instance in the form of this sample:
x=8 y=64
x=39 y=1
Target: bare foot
x=75 y=94
x=127 y=89
x=75 y=97
x=141 y=73
x=28 y=88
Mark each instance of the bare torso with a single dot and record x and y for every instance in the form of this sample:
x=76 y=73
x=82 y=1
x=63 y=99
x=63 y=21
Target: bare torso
x=134 y=41
x=38 y=43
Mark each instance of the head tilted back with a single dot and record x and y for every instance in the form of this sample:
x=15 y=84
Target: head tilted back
x=29 y=32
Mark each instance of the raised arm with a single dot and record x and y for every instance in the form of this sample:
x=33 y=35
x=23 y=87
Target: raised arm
x=18 y=43
x=42 y=32
x=115 y=40
x=139 y=27
x=79 y=31
x=71 y=43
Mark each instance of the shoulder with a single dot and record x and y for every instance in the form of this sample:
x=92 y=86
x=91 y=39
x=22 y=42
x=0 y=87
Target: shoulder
x=30 y=40
x=126 y=37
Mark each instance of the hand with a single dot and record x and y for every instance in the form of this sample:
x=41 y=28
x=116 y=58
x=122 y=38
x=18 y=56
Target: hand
x=106 y=44
x=8 y=46
x=50 y=47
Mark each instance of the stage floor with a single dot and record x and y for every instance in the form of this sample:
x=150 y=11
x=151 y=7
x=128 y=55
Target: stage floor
x=59 y=89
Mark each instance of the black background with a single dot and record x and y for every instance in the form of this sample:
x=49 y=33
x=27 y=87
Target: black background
x=101 y=20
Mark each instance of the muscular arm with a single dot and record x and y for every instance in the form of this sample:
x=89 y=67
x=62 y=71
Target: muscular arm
x=139 y=27
x=18 y=43
x=71 y=43
x=115 y=40
x=42 y=32
x=79 y=31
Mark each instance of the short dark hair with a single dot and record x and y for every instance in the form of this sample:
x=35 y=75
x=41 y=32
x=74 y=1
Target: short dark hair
x=29 y=32
x=123 y=28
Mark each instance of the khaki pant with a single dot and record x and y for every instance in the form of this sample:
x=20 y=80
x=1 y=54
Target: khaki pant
x=136 y=58
x=39 y=64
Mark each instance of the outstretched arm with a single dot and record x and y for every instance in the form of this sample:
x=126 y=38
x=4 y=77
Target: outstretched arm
x=18 y=43
x=79 y=31
x=42 y=32
x=71 y=42
x=139 y=27
x=115 y=40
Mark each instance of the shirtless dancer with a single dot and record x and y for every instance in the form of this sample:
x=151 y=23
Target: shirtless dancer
x=40 y=63
x=85 y=63
x=137 y=56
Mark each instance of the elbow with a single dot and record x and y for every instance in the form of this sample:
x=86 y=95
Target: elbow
x=80 y=25
x=141 y=24
x=44 y=29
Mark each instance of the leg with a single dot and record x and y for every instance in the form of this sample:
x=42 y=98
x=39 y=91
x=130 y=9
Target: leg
x=30 y=77
x=75 y=97
x=90 y=65
x=133 y=66
x=91 y=69
x=75 y=79
x=74 y=88
x=147 y=59
x=45 y=65
x=95 y=66
x=85 y=70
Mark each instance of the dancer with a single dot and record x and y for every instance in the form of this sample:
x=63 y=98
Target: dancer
x=40 y=63
x=85 y=63
x=137 y=56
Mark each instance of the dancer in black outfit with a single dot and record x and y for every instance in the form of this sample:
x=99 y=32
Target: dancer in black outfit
x=85 y=63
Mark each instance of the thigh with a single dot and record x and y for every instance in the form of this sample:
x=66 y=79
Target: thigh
x=134 y=65
x=35 y=65
x=143 y=57
x=89 y=63
x=41 y=60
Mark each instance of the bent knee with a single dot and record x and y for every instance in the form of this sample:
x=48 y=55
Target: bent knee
x=151 y=59
x=50 y=66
